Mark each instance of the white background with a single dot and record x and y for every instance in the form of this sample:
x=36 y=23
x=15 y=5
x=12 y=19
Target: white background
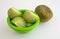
x=49 y=30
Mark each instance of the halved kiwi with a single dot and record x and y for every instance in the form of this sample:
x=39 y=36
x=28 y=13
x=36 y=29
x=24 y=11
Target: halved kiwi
x=29 y=16
x=12 y=12
x=19 y=22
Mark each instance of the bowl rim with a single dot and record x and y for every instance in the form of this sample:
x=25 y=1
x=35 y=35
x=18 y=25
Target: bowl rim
x=25 y=28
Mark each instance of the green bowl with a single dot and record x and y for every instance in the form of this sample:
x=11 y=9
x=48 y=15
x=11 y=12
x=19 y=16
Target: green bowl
x=23 y=30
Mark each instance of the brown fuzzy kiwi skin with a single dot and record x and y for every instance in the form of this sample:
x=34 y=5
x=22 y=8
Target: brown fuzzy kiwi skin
x=44 y=13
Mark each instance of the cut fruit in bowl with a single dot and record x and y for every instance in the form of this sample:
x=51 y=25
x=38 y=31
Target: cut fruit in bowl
x=13 y=12
x=25 y=29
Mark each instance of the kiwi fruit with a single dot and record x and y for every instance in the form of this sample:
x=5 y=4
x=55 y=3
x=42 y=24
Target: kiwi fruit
x=28 y=24
x=29 y=16
x=19 y=22
x=12 y=12
x=44 y=13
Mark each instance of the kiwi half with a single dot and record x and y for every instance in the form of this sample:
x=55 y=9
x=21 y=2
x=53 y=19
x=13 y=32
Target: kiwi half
x=44 y=12
x=19 y=22
x=12 y=12
x=29 y=16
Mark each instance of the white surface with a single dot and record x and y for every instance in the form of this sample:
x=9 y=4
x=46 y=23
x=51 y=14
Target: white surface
x=49 y=30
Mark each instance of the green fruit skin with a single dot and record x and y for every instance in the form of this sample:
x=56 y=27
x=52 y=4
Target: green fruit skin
x=30 y=17
x=44 y=12
x=12 y=12
x=19 y=22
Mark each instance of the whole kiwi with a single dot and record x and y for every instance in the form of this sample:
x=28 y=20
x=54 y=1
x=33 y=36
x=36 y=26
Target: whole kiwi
x=44 y=12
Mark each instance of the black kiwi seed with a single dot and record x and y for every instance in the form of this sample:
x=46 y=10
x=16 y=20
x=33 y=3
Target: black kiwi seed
x=44 y=12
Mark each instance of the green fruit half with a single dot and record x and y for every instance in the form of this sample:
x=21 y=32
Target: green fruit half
x=28 y=24
x=30 y=17
x=44 y=12
x=18 y=21
x=12 y=12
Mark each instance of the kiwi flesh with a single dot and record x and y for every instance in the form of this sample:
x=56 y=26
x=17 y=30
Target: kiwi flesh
x=28 y=24
x=29 y=16
x=12 y=12
x=19 y=22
